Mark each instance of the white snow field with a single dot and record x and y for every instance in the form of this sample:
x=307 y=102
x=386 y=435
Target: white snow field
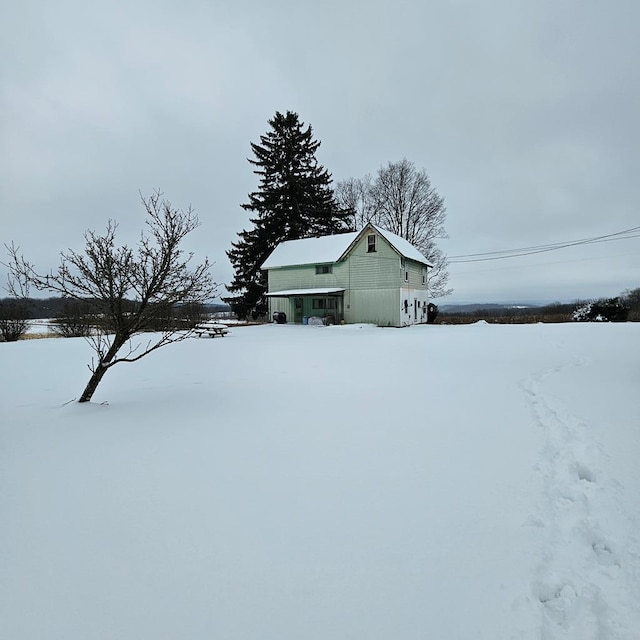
x=297 y=482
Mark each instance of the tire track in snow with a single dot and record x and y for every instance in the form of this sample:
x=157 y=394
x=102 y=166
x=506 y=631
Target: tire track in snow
x=588 y=572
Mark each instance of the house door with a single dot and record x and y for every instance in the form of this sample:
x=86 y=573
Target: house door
x=297 y=309
x=415 y=310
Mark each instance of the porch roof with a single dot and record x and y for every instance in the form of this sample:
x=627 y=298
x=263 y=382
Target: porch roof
x=288 y=293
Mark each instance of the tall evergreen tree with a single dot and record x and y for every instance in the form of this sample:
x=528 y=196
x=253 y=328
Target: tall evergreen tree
x=294 y=200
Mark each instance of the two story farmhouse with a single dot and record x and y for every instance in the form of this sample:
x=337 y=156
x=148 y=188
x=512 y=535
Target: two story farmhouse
x=371 y=276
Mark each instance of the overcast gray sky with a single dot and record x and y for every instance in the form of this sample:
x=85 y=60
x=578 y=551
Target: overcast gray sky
x=526 y=115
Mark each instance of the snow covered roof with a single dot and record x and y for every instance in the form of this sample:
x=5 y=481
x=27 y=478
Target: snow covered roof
x=310 y=250
x=402 y=246
x=305 y=292
x=332 y=248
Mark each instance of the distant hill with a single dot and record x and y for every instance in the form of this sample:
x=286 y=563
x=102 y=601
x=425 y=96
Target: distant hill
x=217 y=307
x=477 y=306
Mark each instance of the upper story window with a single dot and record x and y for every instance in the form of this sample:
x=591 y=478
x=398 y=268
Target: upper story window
x=371 y=243
x=324 y=268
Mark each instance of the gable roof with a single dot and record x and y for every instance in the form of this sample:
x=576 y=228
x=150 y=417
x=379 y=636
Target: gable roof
x=333 y=248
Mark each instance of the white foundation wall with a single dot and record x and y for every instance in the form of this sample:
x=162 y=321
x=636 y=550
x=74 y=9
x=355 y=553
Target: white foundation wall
x=413 y=306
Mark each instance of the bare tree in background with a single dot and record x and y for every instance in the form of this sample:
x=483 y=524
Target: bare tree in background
x=353 y=195
x=402 y=200
x=127 y=287
x=14 y=314
x=74 y=319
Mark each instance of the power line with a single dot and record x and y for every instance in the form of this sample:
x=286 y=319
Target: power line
x=633 y=232
x=547 y=264
x=549 y=246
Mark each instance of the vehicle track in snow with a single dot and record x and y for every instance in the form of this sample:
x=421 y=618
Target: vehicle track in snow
x=587 y=572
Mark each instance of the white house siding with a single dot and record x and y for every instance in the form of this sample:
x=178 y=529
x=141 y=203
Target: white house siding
x=415 y=311
x=414 y=292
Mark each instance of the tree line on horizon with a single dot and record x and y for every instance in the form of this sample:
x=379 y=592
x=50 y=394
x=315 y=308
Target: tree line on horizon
x=55 y=307
x=622 y=308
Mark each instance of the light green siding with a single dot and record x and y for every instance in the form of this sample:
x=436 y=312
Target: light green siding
x=374 y=283
x=416 y=271
x=380 y=272
x=281 y=304
x=305 y=277
x=376 y=306
x=299 y=307
x=376 y=270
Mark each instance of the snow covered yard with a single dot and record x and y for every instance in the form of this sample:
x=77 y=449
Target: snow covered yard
x=287 y=482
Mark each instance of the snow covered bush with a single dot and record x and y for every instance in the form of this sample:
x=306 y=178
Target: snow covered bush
x=604 y=310
x=583 y=313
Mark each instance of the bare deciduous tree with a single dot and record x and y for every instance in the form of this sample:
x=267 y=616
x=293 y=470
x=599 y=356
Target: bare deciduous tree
x=128 y=287
x=632 y=298
x=401 y=199
x=14 y=321
x=353 y=195
x=190 y=315
x=74 y=320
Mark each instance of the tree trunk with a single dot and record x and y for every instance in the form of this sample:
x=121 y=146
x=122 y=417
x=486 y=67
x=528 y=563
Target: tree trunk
x=102 y=368
x=93 y=383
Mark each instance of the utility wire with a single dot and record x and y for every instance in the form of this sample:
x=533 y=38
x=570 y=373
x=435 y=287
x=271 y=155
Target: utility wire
x=633 y=232
x=552 y=245
x=503 y=268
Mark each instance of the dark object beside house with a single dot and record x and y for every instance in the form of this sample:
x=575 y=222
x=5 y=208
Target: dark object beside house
x=280 y=317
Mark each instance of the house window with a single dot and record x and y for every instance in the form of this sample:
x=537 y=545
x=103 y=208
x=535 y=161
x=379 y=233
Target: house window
x=324 y=268
x=406 y=276
x=424 y=278
x=371 y=243
x=324 y=303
